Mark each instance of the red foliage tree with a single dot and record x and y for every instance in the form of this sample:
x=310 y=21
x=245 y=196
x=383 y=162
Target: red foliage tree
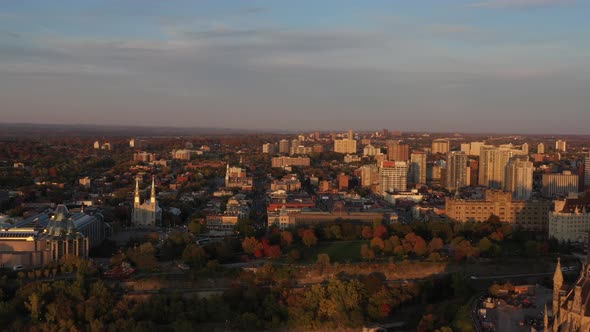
x=274 y=252
x=367 y=232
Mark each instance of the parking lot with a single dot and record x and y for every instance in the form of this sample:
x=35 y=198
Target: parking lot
x=517 y=313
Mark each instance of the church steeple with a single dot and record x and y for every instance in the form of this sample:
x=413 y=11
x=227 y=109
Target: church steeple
x=557 y=284
x=546 y=318
x=153 y=194
x=137 y=197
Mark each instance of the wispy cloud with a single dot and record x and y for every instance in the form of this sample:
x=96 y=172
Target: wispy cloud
x=507 y=4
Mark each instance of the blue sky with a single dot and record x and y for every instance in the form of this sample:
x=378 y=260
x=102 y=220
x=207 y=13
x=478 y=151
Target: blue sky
x=461 y=65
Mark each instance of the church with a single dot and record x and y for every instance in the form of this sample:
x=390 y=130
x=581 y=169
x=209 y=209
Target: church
x=148 y=213
x=571 y=304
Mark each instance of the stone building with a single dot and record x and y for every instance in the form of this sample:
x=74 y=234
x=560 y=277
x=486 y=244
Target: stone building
x=571 y=303
x=147 y=213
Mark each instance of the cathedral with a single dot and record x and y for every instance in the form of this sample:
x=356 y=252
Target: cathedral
x=571 y=304
x=147 y=213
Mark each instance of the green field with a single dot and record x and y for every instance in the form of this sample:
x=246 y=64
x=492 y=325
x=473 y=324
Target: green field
x=339 y=251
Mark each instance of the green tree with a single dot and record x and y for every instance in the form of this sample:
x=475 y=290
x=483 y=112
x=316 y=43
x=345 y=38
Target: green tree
x=196 y=227
x=485 y=245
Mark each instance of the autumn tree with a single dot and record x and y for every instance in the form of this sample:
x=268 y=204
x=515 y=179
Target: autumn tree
x=367 y=232
x=308 y=237
x=274 y=252
x=251 y=245
x=286 y=238
x=194 y=255
x=367 y=253
x=435 y=244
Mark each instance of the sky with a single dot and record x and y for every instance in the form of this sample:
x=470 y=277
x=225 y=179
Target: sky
x=518 y=66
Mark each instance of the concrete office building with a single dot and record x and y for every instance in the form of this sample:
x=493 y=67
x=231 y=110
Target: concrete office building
x=559 y=184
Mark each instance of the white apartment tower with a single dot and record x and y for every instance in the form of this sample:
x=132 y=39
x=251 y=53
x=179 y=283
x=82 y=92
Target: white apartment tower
x=519 y=178
x=456 y=170
x=393 y=176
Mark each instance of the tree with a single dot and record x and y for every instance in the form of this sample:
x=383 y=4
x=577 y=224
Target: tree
x=367 y=232
x=251 y=245
x=323 y=259
x=435 y=244
x=377 y=244
x=485 y=245
x=274 y=252
x=35 y=306
x=308 y=237
x=294 y=255
x=194 y=255
x=143 y=256
x=367 y=253
x=196 y=227
x=380 y=231
x=286 y=238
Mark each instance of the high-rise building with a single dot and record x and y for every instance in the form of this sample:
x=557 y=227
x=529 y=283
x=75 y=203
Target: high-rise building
x=418 y=167
x=559 y=184
x=268 y=148
x=519 y=178
x=316 y=135
x=393 y=176
x=370 y=150
x=284 y=146
x=289 y=161
x=473 y=166
x=466 y=148
x=350 y=134
x=560 y=145
x=525 y=148
x=397 y=151
x=476 y=148
x=541 y=148
x=492 y=165
x=345 y=146
x=587 y=173
x=456 y=170
x=369 y=175
x=440 y=146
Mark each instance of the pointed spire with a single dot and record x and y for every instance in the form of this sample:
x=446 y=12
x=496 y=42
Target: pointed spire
x=558 y=276
x=153 y=195
x=546 y=319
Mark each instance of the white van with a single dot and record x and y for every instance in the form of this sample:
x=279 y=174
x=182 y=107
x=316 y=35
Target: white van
x=18 y=268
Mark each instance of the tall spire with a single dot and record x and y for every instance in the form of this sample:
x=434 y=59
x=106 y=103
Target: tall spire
x=153 y=195
x=137 y=197
x=546 y=319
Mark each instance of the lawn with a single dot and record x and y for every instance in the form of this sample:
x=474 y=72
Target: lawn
x=339 y=251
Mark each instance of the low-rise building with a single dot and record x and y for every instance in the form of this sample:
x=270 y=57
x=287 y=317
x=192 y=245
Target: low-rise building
x=531 y=215
x=570 y=219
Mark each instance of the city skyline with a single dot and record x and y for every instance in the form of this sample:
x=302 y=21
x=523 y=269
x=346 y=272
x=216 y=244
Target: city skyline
x=505 y=66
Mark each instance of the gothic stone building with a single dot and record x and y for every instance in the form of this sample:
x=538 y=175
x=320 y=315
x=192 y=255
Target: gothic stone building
x=571 y=304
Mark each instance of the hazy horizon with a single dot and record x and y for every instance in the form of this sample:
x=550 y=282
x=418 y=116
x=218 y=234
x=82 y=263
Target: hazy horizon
x=468 y=66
